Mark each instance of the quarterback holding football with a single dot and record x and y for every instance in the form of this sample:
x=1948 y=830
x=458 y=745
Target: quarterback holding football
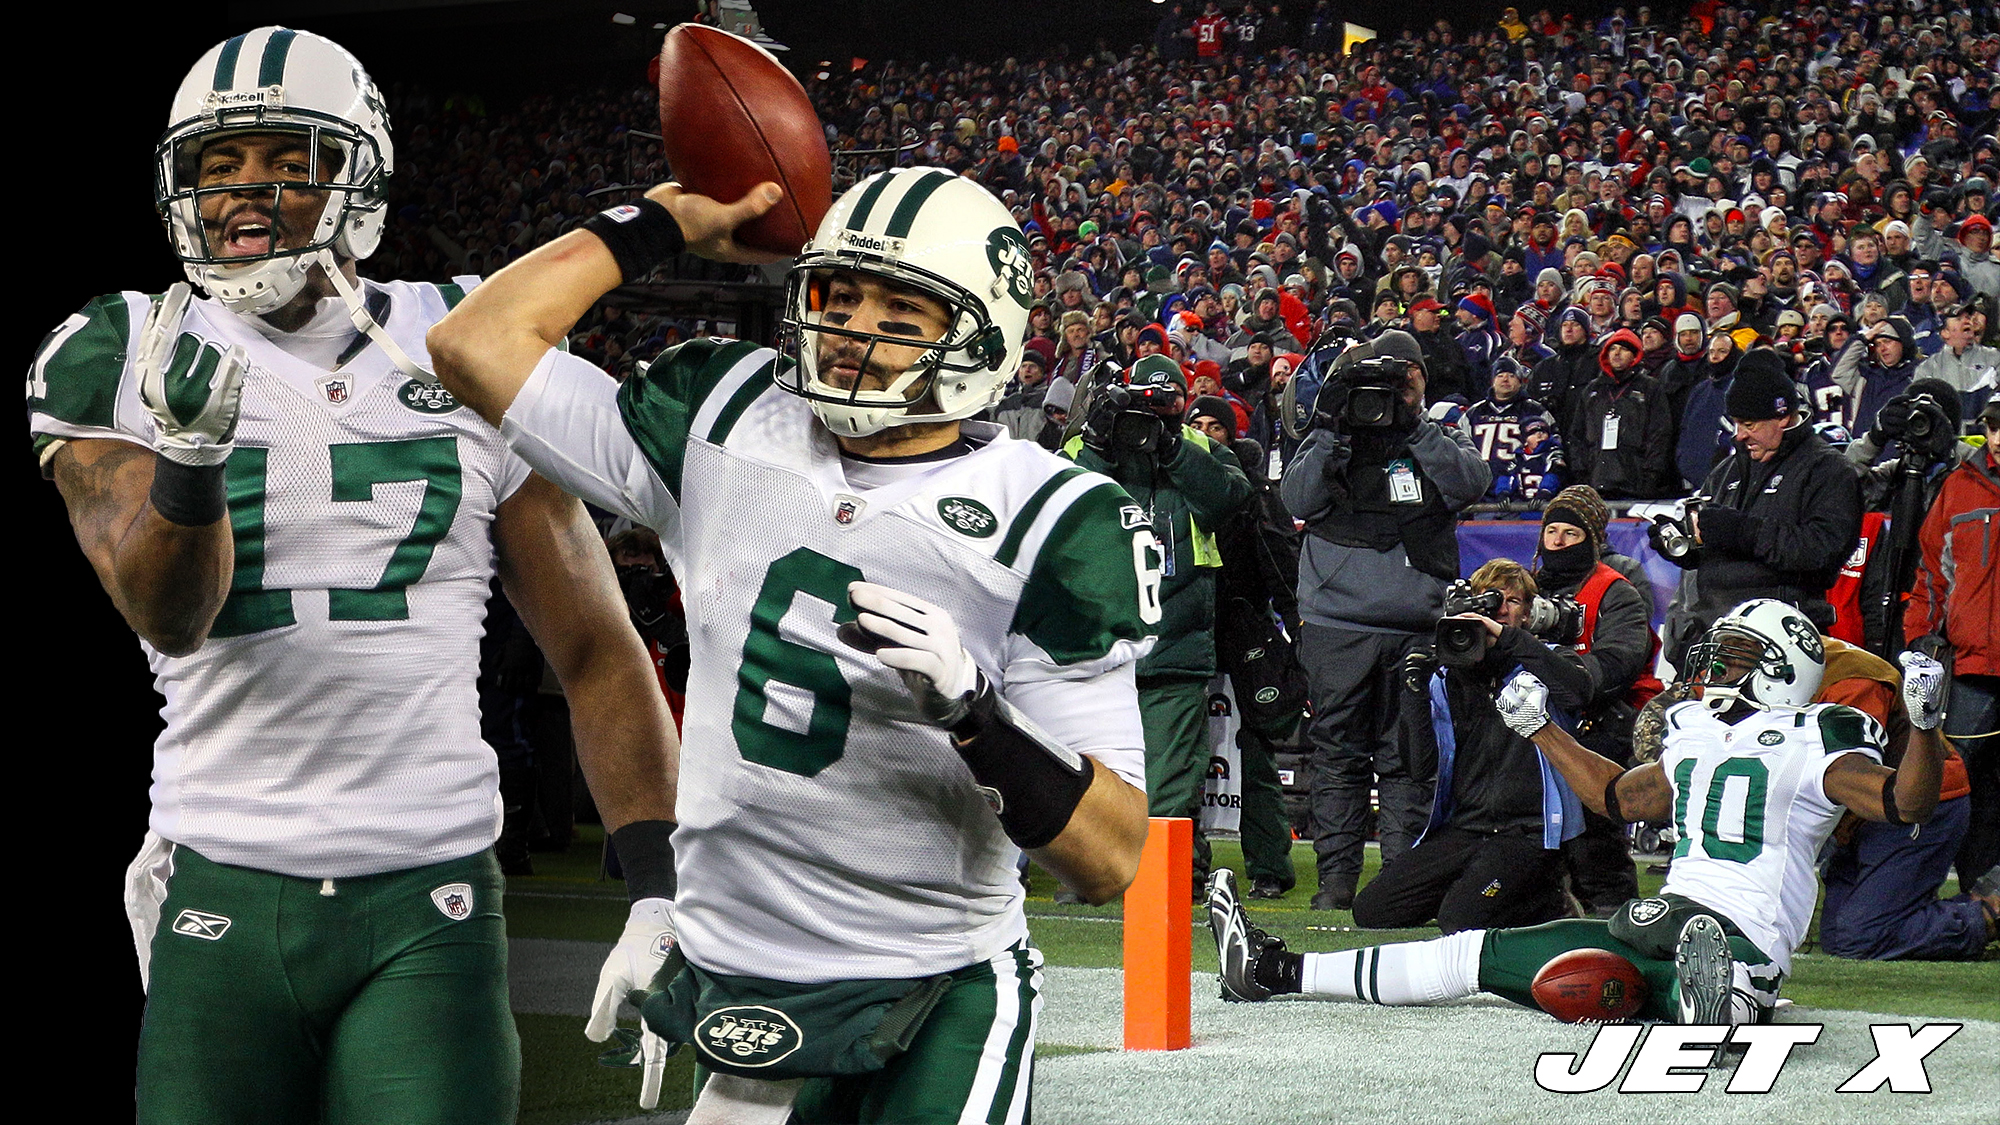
x=302 y=528
x=1753 y=774
x=912 y=643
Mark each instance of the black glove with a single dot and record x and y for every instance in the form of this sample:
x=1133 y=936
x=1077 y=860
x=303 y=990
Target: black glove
x=1418 y=667
x=1169 y=445
x=1099 y=423
x=1891 y=420
x=1729 y=531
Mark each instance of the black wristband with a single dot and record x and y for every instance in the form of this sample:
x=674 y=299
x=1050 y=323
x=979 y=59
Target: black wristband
x=646 y=853
x=189 y=495
x=1890 y=812
x=1611 y=809
x=640 y=235
x=1034 y=784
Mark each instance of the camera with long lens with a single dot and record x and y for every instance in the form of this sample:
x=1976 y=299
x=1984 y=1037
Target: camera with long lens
x=1557 y=619
x=1459 y=643
x=1674 y=535
x=1366 y=394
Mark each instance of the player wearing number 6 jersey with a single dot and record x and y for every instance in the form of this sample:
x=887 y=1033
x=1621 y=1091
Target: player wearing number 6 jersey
x=912 y=642
x=1753 y=774
x=303 y=534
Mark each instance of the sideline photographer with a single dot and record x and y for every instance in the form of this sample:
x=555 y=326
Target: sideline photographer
x=1379 y=486
x=1185 y=486
x=1614 y=640
x=1775 y=519
x=1489 y=855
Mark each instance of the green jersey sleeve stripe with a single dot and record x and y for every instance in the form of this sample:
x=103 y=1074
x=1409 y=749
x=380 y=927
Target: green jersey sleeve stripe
x=271 y=71
x=733 y=394
x=79 y=367
x=859 y=218
x=658 y=423
x=1843 y=728
x=905 y=214
x=1082 y=595
x=1010 y=546
x=225 y=63
x=1055 y=510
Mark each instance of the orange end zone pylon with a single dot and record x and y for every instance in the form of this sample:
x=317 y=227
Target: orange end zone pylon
x=1157 y=936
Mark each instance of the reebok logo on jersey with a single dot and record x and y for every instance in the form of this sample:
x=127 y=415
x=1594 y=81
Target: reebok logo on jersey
x=454 y=901
x=967 y=516
x=200 y=924
x=426 y=398
x=1132 y=516
x=748 y=1035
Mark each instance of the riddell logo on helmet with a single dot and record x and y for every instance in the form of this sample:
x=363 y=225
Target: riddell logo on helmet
x=873 y=244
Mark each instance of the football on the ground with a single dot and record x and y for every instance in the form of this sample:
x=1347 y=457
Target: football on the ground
x=1590 y=985
x=733 y=117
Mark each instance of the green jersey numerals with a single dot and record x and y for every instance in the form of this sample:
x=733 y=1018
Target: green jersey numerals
x=769 y=659
x=1747 y=799
x=357 y=469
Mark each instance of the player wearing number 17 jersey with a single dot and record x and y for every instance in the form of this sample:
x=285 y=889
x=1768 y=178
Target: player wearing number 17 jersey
x=1752 y=773
x=912 y=642
x=302 y=530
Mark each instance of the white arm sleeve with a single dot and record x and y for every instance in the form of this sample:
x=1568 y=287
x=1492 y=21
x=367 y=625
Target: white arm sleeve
x=565 y=423
x=1097 y=717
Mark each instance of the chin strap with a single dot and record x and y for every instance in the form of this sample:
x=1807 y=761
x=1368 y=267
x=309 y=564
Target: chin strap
x=357 y=311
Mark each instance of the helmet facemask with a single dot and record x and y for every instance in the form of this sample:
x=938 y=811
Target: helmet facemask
x=345 y=164
x=928 y=390
x=1728 y=664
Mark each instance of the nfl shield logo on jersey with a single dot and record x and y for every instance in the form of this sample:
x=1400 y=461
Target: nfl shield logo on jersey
x=846 y=509
x=454 y=901
x=335 y=388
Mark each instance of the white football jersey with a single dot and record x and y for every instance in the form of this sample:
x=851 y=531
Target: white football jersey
x=329 y=726
x=1752 y=811
x=826 y=831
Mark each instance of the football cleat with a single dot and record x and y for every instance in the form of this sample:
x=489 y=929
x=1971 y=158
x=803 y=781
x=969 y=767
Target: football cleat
x=1703 y=970
x=1239 y=946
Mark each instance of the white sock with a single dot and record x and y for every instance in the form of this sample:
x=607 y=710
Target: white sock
x=1410 y=972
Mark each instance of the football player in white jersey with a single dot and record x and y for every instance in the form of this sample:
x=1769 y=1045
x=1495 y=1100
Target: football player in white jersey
x=912 y=642
x=1755 y=776
x=302 y=534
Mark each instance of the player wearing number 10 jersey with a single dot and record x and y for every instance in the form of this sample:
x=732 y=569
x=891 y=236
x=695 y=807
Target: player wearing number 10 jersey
x=912 y=643
x=303 y=534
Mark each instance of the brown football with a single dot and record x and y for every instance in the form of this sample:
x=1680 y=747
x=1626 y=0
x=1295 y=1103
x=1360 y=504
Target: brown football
x=1590 y=985
x=733 y=117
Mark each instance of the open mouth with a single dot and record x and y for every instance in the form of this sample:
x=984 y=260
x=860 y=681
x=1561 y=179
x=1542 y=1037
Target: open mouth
x=248 y=234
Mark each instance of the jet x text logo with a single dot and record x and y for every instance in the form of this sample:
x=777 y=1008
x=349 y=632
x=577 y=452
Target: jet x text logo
x=1672 y=1058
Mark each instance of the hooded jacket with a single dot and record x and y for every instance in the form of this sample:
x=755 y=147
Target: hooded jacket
x=1957 y=593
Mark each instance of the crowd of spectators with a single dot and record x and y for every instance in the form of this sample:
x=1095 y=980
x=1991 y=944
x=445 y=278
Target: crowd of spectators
x=1657 y=256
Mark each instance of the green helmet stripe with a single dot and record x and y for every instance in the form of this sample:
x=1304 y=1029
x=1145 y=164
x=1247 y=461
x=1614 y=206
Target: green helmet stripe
x=913 y=201
x=225 y=63
x=859 y=218
x=271 y=72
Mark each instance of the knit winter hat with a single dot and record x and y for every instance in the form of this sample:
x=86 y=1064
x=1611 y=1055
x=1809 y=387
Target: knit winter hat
x=1579 y=505
x=1762 y=389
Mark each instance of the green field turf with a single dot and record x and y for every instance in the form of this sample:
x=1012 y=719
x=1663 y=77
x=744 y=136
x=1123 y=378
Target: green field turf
x=567 y=899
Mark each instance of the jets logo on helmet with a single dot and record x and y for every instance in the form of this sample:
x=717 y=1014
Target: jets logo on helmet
x=921 y=229
x=276 y=80
x=1764 y=653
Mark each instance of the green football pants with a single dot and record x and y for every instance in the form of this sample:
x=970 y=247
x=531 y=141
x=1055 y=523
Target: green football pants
x=973 y=1058
x=1645 y=936
x=1174 y=713
x=272 y=1000
x=1266 y=832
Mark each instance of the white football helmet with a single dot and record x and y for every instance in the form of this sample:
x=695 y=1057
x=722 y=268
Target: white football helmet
x=276 y=80
x=1764 y=653
x=931 y=230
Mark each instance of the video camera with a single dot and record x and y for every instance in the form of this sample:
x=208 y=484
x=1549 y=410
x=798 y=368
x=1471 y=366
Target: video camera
x=1133 y=420
x=1920 y=424
x=1673 y=536
x=1366 y=394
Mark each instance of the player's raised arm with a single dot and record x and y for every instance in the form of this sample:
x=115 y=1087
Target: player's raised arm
x=1907 y=794
x=1605 y=787
x=486 y=349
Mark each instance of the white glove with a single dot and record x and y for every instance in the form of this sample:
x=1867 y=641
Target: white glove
x=1524 y=705
x=648 y=938
x=920 y=641
x=1923 y=689
x=194 y=407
